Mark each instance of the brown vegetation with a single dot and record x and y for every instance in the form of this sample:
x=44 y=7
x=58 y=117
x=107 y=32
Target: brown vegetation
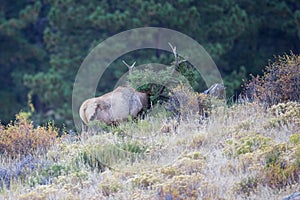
x=22 y=138
x=280 y=82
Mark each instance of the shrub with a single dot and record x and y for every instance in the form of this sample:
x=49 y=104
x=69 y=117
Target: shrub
x=22 y=138
x=46 y=175
x=246 y=144
x=285 y=113
x=295 y=139
x=184 y=102
x=280 y=171
x=146 y=180
x=155 y=82
x=246 y=185
x=109 y=187
x=181 y=187
x=279 y=83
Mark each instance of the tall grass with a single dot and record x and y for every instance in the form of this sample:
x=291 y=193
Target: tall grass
x=245 y=151
x=227 y=156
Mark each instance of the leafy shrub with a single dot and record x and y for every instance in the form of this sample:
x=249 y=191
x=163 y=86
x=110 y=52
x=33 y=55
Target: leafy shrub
x=285 y=113
x=280 y=170
x=246 y=144
x=155 y=82
x=22 y=138
x=276 y=168
x=279 y=83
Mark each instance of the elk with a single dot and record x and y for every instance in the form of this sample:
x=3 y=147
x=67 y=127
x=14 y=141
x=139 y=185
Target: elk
x=113 y=107
x=120 y=104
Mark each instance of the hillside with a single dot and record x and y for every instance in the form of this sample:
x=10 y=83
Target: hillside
x=240 y=152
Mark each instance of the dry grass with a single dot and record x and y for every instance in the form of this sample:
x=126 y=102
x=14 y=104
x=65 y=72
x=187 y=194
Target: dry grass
x=226 y=156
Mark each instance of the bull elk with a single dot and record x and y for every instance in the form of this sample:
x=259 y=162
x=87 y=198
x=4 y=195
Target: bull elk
x=113 y=107
x=121 y=103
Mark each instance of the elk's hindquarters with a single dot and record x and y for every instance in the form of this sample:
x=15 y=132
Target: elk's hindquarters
x=114 y=107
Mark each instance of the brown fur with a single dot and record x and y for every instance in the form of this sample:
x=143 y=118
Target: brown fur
x=114 y=106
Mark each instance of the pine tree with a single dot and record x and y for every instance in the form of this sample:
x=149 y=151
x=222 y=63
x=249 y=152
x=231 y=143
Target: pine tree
x=21 y=50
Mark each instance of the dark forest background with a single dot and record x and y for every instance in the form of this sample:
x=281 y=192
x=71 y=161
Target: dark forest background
x=43 y=43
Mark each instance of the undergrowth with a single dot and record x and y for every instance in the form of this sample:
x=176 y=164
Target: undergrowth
x=245 y=151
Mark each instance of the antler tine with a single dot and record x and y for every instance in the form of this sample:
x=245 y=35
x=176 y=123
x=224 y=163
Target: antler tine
x=175 y=54
x=177 y=63
x=130 y=67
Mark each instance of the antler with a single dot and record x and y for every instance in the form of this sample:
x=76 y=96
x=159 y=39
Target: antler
x=174 y=52
x=176 y=65
x=130 y=67
x=177 y=62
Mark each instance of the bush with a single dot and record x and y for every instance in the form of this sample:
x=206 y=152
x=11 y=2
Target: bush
x=246 y=185
x=155 y=82
x=21 y=138
x=281 y=169
x=285 y=113
x=279 y=83
x=181 y=187
x=46 y=175
x=246 y=144
x=277 y=167
x=184 y=102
